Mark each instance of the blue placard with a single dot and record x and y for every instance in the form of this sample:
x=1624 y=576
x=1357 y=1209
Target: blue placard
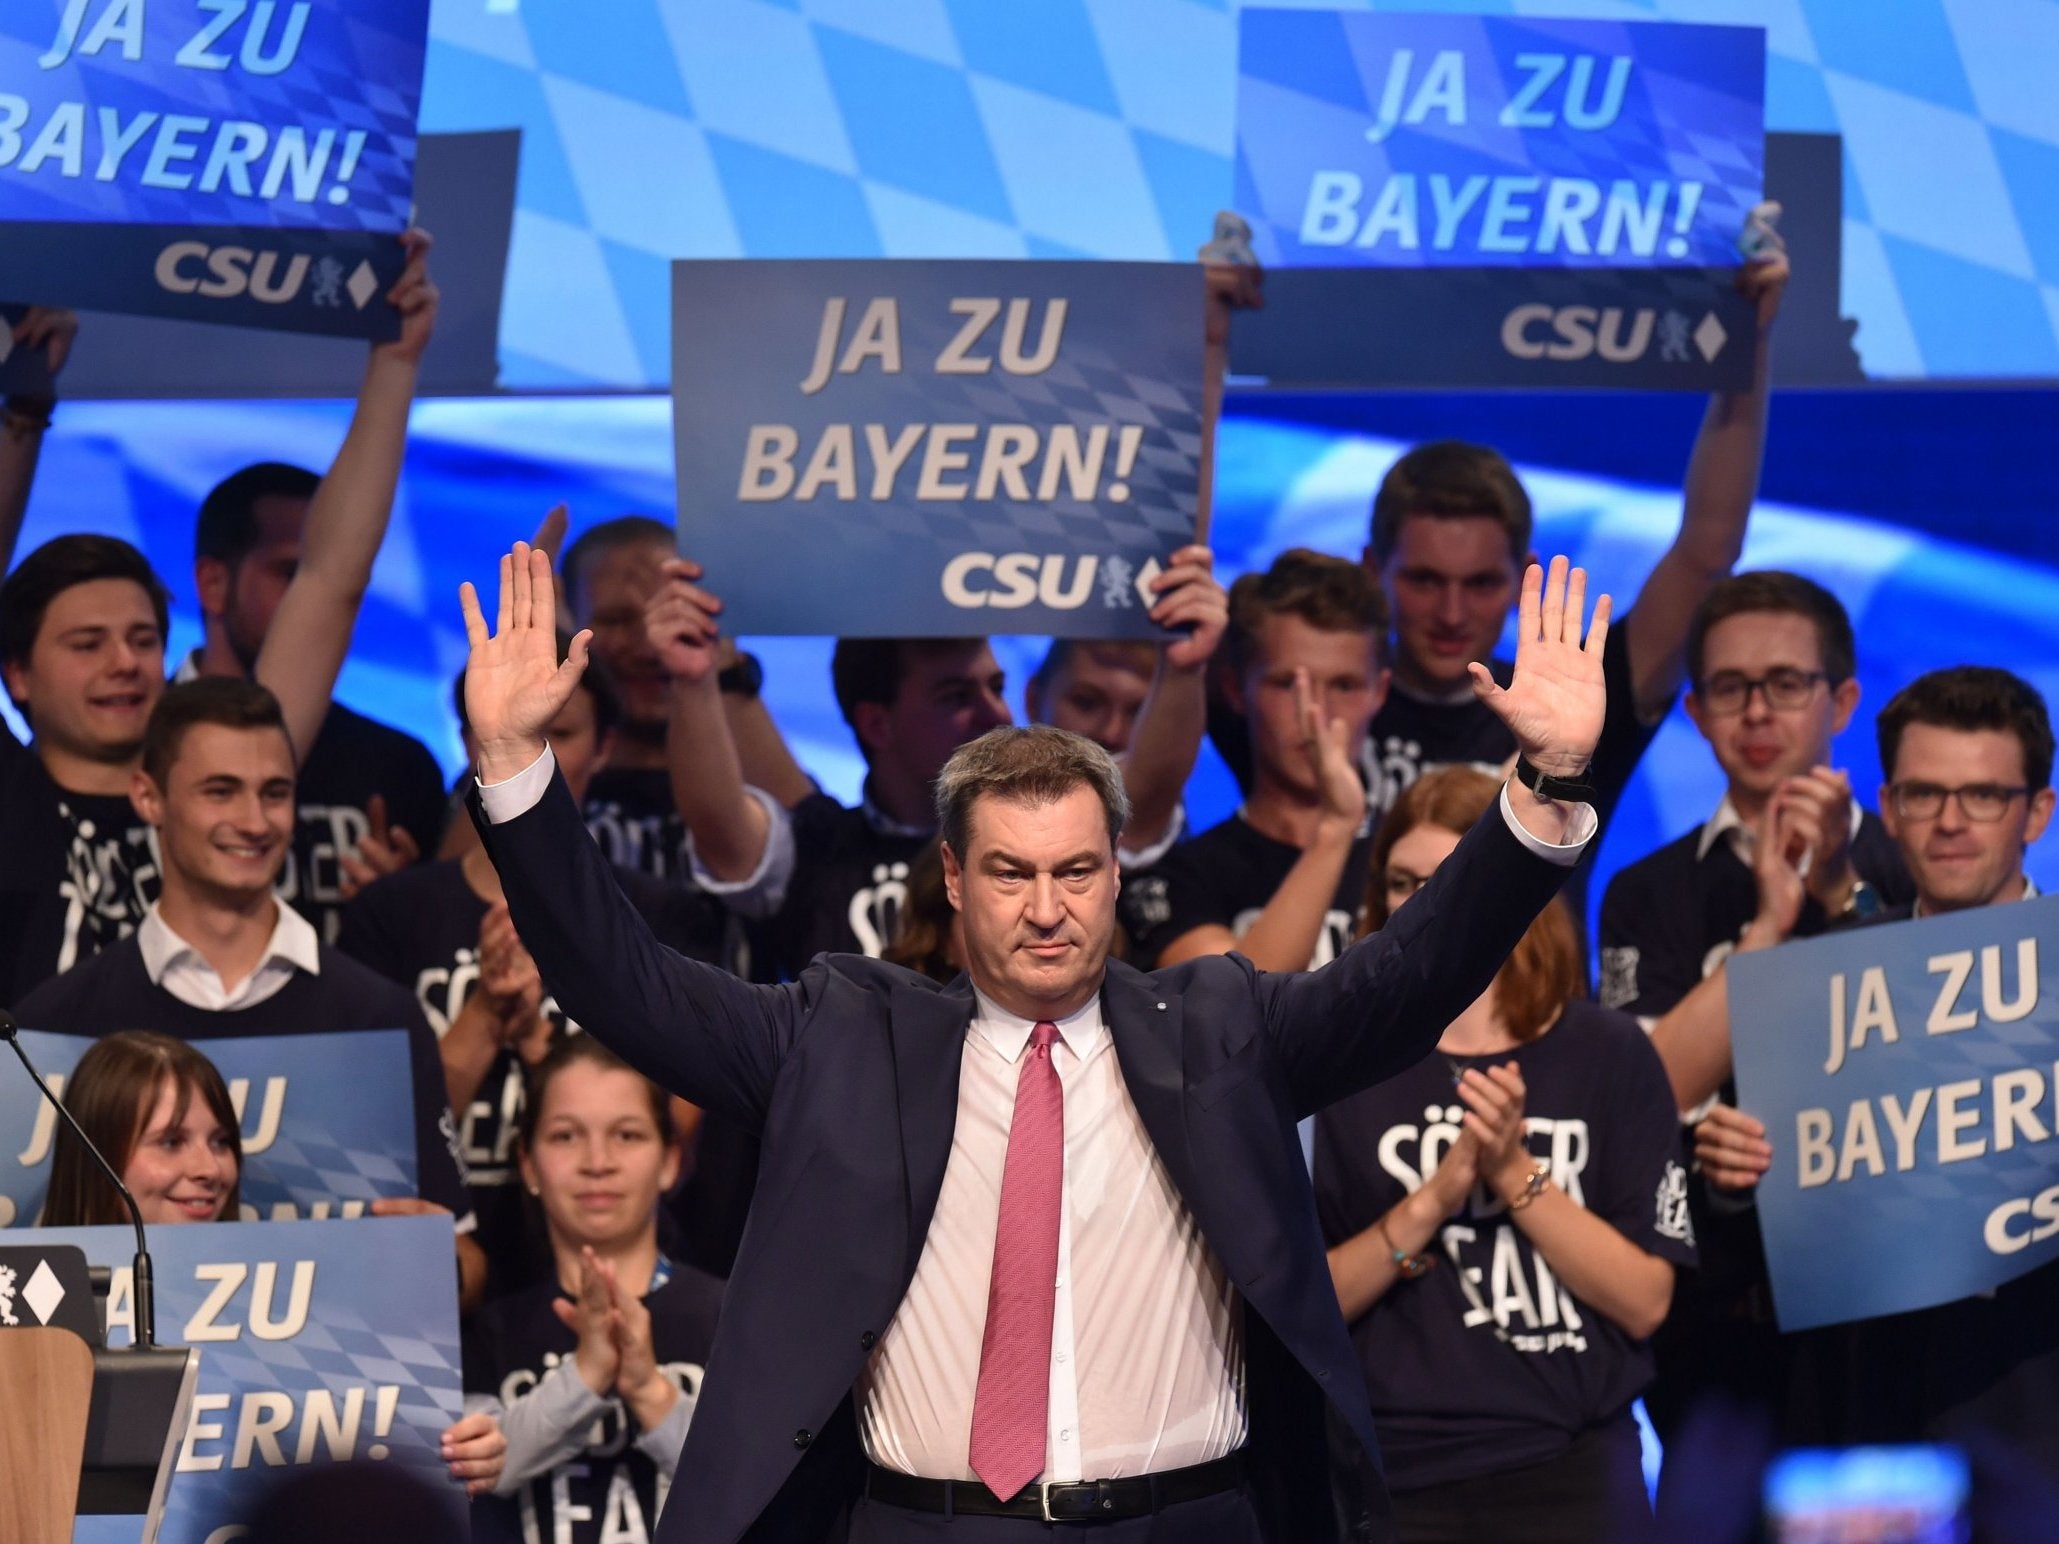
x=1405 y=140
x=327 y=1119
x=219 y=159
x=907 y=449
x=319 y=1343
x=1908 y=1077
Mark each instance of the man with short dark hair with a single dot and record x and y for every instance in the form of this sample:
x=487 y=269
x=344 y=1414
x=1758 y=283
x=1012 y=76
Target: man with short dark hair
x=360 y=779
x=217 y=955
x=1772 y=681
x=1038 y=1244
x=1283 y=879
x=826 y=877
x=83 y=621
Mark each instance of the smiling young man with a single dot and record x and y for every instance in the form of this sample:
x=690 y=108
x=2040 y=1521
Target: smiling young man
x=83 y=622
x=1040 y=1243
x=218 y=955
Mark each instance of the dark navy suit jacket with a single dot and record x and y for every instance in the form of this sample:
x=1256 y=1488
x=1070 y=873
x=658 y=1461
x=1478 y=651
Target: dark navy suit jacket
x=850 y=1075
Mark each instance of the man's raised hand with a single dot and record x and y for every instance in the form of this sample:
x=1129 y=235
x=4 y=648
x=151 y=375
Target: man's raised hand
x=1554 y=702
x=514 y=683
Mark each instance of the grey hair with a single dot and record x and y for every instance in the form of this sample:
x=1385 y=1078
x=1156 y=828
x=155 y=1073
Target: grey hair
x=1032 y=765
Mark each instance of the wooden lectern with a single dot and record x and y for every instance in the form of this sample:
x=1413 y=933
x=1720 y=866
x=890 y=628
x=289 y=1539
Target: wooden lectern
x=82 y=1427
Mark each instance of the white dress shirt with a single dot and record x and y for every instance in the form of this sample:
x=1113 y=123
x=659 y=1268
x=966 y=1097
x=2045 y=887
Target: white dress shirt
x=1147 y=1337
x=181 y=970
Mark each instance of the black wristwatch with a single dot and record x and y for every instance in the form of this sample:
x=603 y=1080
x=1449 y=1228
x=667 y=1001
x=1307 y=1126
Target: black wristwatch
x=745 y=678
x=1569 y=790
x=1862 y=903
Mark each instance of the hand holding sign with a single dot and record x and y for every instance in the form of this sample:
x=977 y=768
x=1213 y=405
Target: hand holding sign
x=1191 y=600
x=1731 y=1150
x=681 y=623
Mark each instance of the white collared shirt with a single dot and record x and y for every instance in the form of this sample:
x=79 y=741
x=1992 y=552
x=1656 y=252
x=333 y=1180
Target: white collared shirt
x=183 y=971
x=1147 y=1336
x=1727 y=824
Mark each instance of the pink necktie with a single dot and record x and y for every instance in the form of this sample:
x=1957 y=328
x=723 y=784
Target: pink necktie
x=1010 y=1407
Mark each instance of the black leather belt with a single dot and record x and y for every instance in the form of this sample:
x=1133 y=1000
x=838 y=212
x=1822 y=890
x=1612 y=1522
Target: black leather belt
x=1088 y=1501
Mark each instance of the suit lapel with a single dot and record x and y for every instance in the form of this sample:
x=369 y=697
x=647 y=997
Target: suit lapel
x=1144 y=1021
x=928 y=1031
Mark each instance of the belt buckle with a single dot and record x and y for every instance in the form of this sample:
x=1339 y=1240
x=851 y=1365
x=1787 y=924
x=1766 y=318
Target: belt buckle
x=1085 y=1492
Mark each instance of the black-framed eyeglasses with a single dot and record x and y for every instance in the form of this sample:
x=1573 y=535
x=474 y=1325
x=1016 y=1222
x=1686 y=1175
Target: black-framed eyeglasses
x=1982 y=802
x=1728 y=691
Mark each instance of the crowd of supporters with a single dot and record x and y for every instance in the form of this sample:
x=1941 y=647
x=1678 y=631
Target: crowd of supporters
x=1545 y=1222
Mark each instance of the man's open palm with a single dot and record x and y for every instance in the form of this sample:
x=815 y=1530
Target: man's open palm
x=514 y=683
x=1554 y=702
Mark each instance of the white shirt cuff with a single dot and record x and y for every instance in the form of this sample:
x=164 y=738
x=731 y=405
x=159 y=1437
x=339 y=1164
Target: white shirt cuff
x=761 y=892
x=519 y=794
x=1579 y=832
x=1130 y=859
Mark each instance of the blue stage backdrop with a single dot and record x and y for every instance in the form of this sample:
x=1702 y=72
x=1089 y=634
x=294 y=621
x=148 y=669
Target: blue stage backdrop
x=480 y=473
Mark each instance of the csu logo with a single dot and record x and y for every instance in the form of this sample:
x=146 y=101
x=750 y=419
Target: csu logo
x=1537 y=331
x=271 y=278
x=1011 y=580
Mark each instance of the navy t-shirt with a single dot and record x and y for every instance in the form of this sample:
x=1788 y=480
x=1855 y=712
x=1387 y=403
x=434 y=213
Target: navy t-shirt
x=353 y=758
x=635 y=821
x=419 y=928
x=1223 y=878
x=1488 y=1362
x=77 y=872
x=609 y=1490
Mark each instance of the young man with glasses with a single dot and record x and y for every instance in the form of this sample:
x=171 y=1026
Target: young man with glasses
x=1967 y=754
x=1771 y=662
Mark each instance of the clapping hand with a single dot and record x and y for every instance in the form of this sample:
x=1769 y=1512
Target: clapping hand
x=1554 y=702
x=514 y=683
x=590 y=1315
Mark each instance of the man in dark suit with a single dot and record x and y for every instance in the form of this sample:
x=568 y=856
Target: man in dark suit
x=1039 y=1244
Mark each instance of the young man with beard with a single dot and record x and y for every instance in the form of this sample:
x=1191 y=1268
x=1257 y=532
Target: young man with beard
x=1772 y=664
x=217 y=955
x=83 y=621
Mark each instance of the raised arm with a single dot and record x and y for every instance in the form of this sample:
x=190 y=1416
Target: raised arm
x=692 y=1028
x=1174 y=716
x=1722 y=481
x=729 y=827
x=346 y=522
x=1382 y=1003
x=24 y=421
